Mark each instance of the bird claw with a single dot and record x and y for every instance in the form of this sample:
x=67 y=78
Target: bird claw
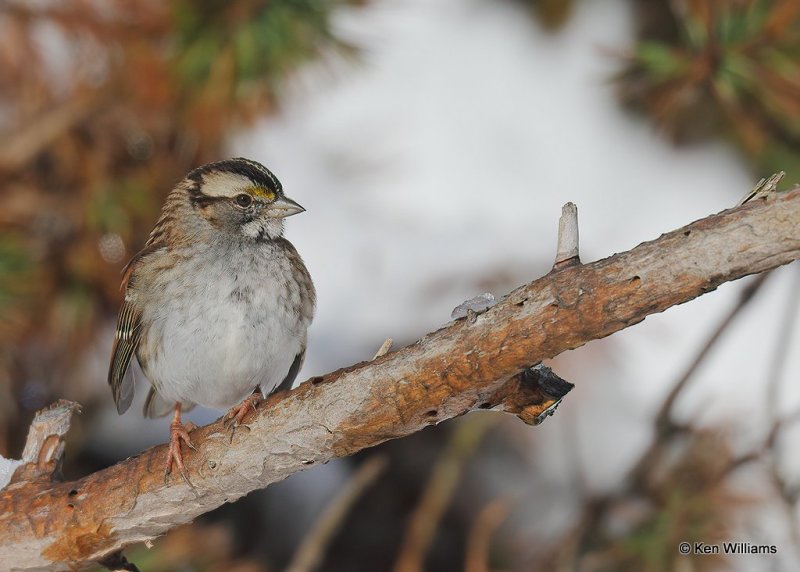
x=235 y=416
x=178 y=433
x=183 y=473
x=188 y=428
x=233 y=427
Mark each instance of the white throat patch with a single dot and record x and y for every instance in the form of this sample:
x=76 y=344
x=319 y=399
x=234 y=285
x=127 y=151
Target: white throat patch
x=263 y=228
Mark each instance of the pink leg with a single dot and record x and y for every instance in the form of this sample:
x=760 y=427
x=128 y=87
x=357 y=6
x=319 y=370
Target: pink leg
x=235 y=416
x=177 y=433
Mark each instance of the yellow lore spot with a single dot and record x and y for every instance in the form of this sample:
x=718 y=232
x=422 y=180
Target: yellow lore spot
x=261 y=193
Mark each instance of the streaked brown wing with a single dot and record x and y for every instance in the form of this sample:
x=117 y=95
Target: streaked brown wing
x=126 y=338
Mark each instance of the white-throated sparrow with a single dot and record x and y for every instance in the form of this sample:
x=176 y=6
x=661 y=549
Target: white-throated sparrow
x=217 y=304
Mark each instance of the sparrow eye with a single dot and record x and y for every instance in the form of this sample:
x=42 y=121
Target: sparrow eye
x=244 y=200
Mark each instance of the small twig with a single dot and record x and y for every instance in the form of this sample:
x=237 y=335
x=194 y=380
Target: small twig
x=44 y=448
x=312 y=549
x=480 y=535
x=567 y=253
x=384 y=349
x=438 y=492
x=764 y=187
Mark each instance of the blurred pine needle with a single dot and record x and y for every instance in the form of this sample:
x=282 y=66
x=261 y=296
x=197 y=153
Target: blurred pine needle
x=725 y=68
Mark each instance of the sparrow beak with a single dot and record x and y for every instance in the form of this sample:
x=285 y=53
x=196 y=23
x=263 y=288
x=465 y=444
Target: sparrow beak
x=283 y=207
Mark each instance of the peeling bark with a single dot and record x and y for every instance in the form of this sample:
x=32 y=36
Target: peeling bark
x=467 y=364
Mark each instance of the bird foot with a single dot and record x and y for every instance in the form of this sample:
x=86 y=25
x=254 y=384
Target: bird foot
x=234 y=417
x=177 y=433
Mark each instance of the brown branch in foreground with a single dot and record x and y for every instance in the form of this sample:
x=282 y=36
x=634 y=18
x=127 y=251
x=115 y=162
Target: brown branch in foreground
x=448 y=372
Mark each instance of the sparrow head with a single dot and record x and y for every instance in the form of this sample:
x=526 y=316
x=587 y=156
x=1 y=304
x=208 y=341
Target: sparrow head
x=240 y=196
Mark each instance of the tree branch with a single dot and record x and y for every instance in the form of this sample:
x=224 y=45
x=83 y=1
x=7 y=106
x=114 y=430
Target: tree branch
x=44 y=447
x=457 y=368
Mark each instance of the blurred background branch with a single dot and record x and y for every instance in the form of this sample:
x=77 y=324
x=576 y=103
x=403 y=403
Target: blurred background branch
x=312 y=549
x=425 y=519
